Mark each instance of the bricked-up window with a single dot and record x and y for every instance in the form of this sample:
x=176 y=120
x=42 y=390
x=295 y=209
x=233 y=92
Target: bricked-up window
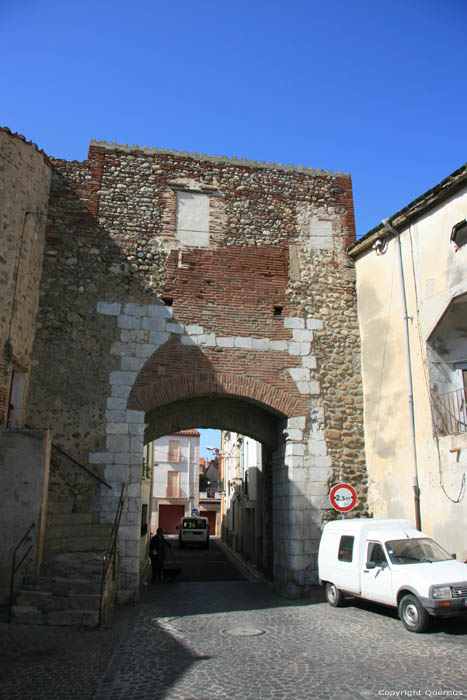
x=193 y=219
x=346 y=548
x=174 y=451
x=459 y=234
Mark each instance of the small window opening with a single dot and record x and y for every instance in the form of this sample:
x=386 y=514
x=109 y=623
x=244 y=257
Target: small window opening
x=168 y=301
x=346 y=548
x=459 y=234
x=278 y=310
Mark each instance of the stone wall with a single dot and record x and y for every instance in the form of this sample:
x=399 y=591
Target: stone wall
x=24 y=181
x=247 y=321
x=24 y=464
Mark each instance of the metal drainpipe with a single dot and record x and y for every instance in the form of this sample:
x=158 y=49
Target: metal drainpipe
x=416 y=488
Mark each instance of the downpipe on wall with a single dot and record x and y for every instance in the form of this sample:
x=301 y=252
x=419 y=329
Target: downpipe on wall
x=416 y=487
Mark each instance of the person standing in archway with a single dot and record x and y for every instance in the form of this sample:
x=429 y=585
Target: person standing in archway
x=157 y=552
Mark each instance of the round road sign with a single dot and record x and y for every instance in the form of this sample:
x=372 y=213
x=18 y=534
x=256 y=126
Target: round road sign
x=343 y=497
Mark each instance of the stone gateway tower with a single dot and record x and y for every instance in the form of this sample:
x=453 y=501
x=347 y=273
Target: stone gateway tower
x=181 y=290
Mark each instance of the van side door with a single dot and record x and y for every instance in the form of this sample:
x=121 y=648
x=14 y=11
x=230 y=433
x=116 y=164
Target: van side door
x=376 y=575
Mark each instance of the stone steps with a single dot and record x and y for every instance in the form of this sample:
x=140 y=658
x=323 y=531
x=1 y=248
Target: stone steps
x=30 y=615
x=68 y=589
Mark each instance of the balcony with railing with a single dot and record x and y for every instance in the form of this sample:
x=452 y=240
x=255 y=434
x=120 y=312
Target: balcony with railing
x=452 y=412
x=175 y=492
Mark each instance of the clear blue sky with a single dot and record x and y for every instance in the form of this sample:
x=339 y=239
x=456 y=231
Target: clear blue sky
x=372 y=87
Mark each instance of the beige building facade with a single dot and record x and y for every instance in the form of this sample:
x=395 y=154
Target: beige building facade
x=412 y=308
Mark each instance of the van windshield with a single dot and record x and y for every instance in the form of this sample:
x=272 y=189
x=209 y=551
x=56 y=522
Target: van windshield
x=415 y=551
x=194 y=524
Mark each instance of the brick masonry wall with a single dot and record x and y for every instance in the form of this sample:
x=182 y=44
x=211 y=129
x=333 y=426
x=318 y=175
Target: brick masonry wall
x=141 y=325
x=25 y=180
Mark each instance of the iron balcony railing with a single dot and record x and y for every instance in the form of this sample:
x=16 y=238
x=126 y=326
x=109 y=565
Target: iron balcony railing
x=452 y=409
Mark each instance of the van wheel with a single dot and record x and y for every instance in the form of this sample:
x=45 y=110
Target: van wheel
x=181 y=544
x=334 y=596
x=413 y=615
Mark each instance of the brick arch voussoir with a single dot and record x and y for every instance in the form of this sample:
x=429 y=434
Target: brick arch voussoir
x=187 y=386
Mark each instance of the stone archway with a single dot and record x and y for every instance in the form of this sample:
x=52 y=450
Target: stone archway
x=144 y=319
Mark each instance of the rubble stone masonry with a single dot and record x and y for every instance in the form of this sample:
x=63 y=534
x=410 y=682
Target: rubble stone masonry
x=25 y=176
x=180 y=291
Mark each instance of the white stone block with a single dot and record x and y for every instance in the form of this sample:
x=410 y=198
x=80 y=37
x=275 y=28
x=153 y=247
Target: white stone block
x=193 y=329
x=174 y=328
x=224 y=342
x=132 y=363
x=136 y=444
x=158 y=337
x=322 y=461
x=317 y=447
x=115 y=416
x=154 y=324
x=114 y=404
x=145 y=349
x=187 y=340
x=117 y=443
x=129 y=322
x=116 y=473
x=294 y=434
x=116 y=428
x=125 y=378
x=303 y=387
x=299 y=374
x=320 y=474
x=242 y=342
x=120 y=391
x=261 y=344
x=207 y=340
x=279 y=345
x=159 y=311
x=297 y=422
x=315 y=388
x=135 y=416
x=130 y=336
x=302 y=336
x=294 y=322
x=135 y=309
x=123 y=348
x=309 y=361
x=136 y=428
x=122 y=457
x=133 y=490
x=100 y=457
x=314 y=324
x=109 y=309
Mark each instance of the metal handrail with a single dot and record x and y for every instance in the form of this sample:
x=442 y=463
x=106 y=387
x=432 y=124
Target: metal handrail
x=15 y=567
x=75 y=461
x=78 y=464
x=110 y=555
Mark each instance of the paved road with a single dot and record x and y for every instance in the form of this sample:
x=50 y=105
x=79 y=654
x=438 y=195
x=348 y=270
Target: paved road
x=238 y=640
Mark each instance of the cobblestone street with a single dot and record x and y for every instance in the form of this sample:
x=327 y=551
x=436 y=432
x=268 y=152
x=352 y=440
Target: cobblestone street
x=234 y=640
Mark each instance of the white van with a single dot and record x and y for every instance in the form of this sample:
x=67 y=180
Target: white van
x=193 y=530
x=391 y=562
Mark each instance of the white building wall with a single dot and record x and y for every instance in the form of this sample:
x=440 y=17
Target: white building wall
x=434 y=275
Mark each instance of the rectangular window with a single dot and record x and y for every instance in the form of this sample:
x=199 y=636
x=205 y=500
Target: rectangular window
x=173 y=490
x=376 y=554
x=174 y=451
x=346 y=548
